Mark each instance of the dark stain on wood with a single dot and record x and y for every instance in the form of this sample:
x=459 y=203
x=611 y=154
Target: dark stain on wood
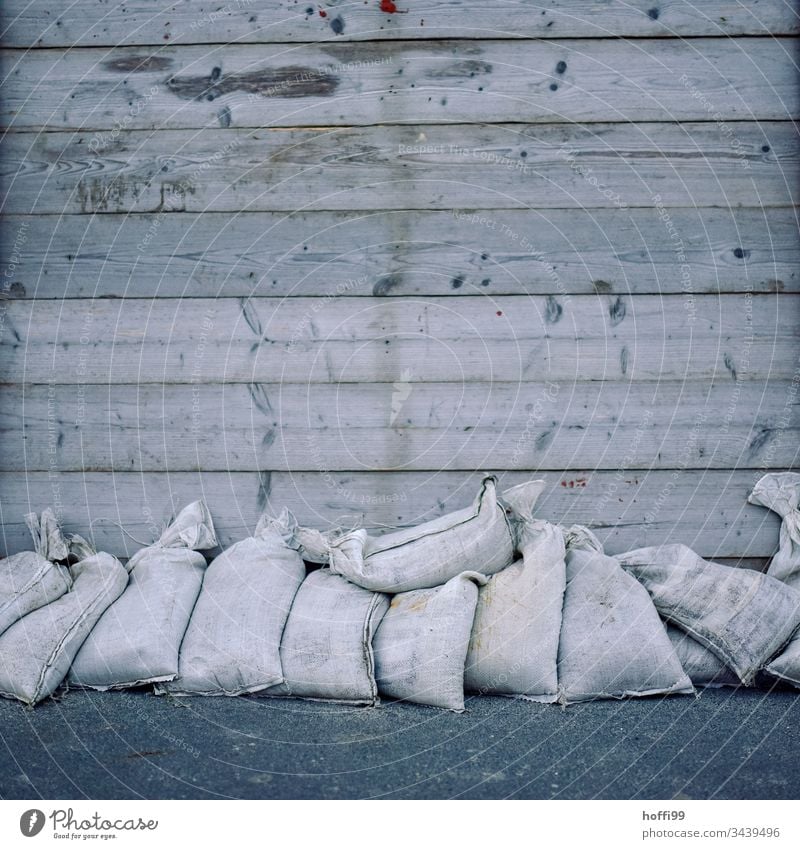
x=15 y=290
x=268 y=438
x=291 y=81
x=741 y=253
x=464 y=68
x=251 y=316
x=553 y=311
x=561 y=67
x=138 y=64
x=758 y=441
x=653 y=14
x=260 y=399
x=146 y=753
x=728 y=360
x=337 y=25
x=544 y=439
x=264 y=489
x=623 y=360
x=617 y=311
x=457 y=282
x=602 y=287
x=385 y=285
x=224 y=117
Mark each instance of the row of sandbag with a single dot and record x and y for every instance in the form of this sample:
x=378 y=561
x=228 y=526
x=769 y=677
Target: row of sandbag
x=489 y=599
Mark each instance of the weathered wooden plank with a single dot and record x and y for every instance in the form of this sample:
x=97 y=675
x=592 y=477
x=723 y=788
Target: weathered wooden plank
x=401 y=426
x=353 y=340
x=31 y=23
x=706 y=510
x=401 y=253
x=397 y=167
x=407 y=82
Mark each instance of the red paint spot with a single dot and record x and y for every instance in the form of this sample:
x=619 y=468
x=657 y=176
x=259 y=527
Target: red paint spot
x=499 y=312
x=579 y=482
x=323 y=13
x=388 y=7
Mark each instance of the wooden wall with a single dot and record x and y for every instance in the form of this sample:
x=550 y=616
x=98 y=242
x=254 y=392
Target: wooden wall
x=321 y=255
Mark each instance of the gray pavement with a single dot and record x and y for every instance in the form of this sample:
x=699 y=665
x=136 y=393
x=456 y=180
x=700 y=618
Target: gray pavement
x=726 y=744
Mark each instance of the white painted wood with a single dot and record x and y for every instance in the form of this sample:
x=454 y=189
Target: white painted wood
x=400 y=253
x=32 y=23
x=276 y=85
x=564 y=166
x=706 y=510
x=404 y=426
x=356 y=340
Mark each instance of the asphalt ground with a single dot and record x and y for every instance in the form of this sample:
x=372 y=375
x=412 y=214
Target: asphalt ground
x=726 y=744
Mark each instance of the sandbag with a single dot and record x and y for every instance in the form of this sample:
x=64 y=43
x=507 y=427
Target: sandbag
x=36 y=652
x=613 y=643
x=232 y=644
x=743 y=616
x=480 y=537
x=421 y=644
x=138 y=638
x=31 y=579
x=513 y=648
x=326 y=650
x=780 y=492
x=702 y=666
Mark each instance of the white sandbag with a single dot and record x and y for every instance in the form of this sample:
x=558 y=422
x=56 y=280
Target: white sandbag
x=786 y=665
x=613 y=643
x=421 y=644
x=702 y=666
x=36 y=652
x=780 y=492
x=31 y=579
x=232 y=644
x=480 y=537
x=743 y=616
x=326 y=650
x=138 y=639
x=513 y=649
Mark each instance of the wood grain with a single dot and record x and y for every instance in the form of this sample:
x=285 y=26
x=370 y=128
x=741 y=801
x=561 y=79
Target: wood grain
x=31 y=23
x=477 y=167
x=706 y=510
x=412 y=82
x=401 y=253
x=400 y=427
x=355 y=340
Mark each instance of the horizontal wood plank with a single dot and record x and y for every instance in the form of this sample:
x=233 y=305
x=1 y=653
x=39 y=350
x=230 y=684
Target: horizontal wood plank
x=275 y=85
x=400 y=427
x=401 y=253
x=705 y=510
x=354 y=340
x=429 y=167
x=32 y=23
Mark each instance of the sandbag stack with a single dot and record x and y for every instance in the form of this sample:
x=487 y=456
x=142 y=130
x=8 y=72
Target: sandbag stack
x=37 y=650
x=490 y=599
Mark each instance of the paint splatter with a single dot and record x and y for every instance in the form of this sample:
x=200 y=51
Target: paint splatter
x=337 y=25
x=323 y=13
x=499 y=312
x=388 y=7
